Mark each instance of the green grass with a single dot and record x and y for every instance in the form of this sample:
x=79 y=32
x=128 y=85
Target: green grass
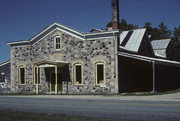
x=9 y=115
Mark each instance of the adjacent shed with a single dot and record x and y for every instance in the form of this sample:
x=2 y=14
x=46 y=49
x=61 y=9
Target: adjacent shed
x=163 y=48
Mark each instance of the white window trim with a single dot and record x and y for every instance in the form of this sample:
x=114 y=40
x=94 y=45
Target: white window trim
x=38 y=69
x=74 y=73
x=19 y=74
x=100 y=63
x=55 y=42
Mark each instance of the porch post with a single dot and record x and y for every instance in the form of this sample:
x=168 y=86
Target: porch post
x=56 y=90
x=37 y=85
x=154 y=77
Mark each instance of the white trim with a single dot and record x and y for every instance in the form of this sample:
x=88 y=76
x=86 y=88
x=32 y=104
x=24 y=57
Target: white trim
x=69 y=29
x=46 y=66
x=55 y=37
x=71 y=34
x=23 y=46
x=57 y=28
x=134 y=57
x=74 y=73
x=147 y=58
x=19 y=74
x=17 y=42
x=101 y=38
x=4 y=63
x=96 y=33
x=100 y=63
x=42 y=32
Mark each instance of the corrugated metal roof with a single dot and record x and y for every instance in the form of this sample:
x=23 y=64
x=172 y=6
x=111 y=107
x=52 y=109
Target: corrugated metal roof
x=160 y=44
x=134 y=39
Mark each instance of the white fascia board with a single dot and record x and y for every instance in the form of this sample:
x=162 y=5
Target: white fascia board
x=134 y=57
x=71 y=34
x=106 y=32
x=42 y=32
x=101 y=38
x=16 y=42
x=60 y=30
x=77 y=32
x=2 y=64
x=148 y=58
x=46 y=65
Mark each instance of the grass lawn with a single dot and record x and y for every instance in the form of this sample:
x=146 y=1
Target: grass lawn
x=8 y=115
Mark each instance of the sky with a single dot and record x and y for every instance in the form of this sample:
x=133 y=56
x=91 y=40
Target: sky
x=23 y=19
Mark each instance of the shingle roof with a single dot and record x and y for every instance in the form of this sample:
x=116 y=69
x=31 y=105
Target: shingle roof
x=160 y=44
x=131 y=40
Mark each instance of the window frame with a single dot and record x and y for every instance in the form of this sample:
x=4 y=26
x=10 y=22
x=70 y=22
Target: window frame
x=74 y=73
x=2 y=77
x=38 y=77
x=96 y=72
x=55 y=42
x=19 y=74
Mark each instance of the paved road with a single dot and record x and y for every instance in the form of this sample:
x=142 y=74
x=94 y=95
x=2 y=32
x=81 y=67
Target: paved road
x=103 y=107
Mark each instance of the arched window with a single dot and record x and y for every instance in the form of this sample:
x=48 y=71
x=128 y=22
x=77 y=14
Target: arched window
x=77 y=73
x=100 y=73
x=21 y=75
x=57 y=42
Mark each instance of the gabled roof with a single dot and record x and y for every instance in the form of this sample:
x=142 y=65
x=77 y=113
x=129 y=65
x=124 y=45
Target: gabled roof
x=68 y=30
x=131 y=40
x=160 y=44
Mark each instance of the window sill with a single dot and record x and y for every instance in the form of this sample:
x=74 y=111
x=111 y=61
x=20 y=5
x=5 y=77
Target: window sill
x=55 y=50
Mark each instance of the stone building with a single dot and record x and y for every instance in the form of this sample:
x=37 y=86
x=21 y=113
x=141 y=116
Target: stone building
x=61 y=60
x=5 y=77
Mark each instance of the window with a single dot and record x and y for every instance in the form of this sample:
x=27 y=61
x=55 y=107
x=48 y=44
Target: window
x=57 y=41
x=2 y=77
x=22 y=75
x=36 y=75
x=77 y=73
x=100 y=73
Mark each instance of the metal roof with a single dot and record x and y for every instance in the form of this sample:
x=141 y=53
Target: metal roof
x=160 y=44
x=131 y=40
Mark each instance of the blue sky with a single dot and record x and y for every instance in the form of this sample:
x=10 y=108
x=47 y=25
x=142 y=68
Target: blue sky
x=22 y=19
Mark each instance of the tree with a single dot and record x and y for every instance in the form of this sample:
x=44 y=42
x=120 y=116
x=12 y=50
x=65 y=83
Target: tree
x=176 y=43
x=123 y=25
x=157 y=33
x=164 y=32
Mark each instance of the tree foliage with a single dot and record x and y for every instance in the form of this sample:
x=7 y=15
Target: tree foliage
x=123 y=25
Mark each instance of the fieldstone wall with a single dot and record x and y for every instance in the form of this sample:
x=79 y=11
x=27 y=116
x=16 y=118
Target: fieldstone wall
x=73 y=50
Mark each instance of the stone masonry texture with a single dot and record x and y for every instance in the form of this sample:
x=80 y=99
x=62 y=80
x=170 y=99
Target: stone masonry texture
x=73 y=50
